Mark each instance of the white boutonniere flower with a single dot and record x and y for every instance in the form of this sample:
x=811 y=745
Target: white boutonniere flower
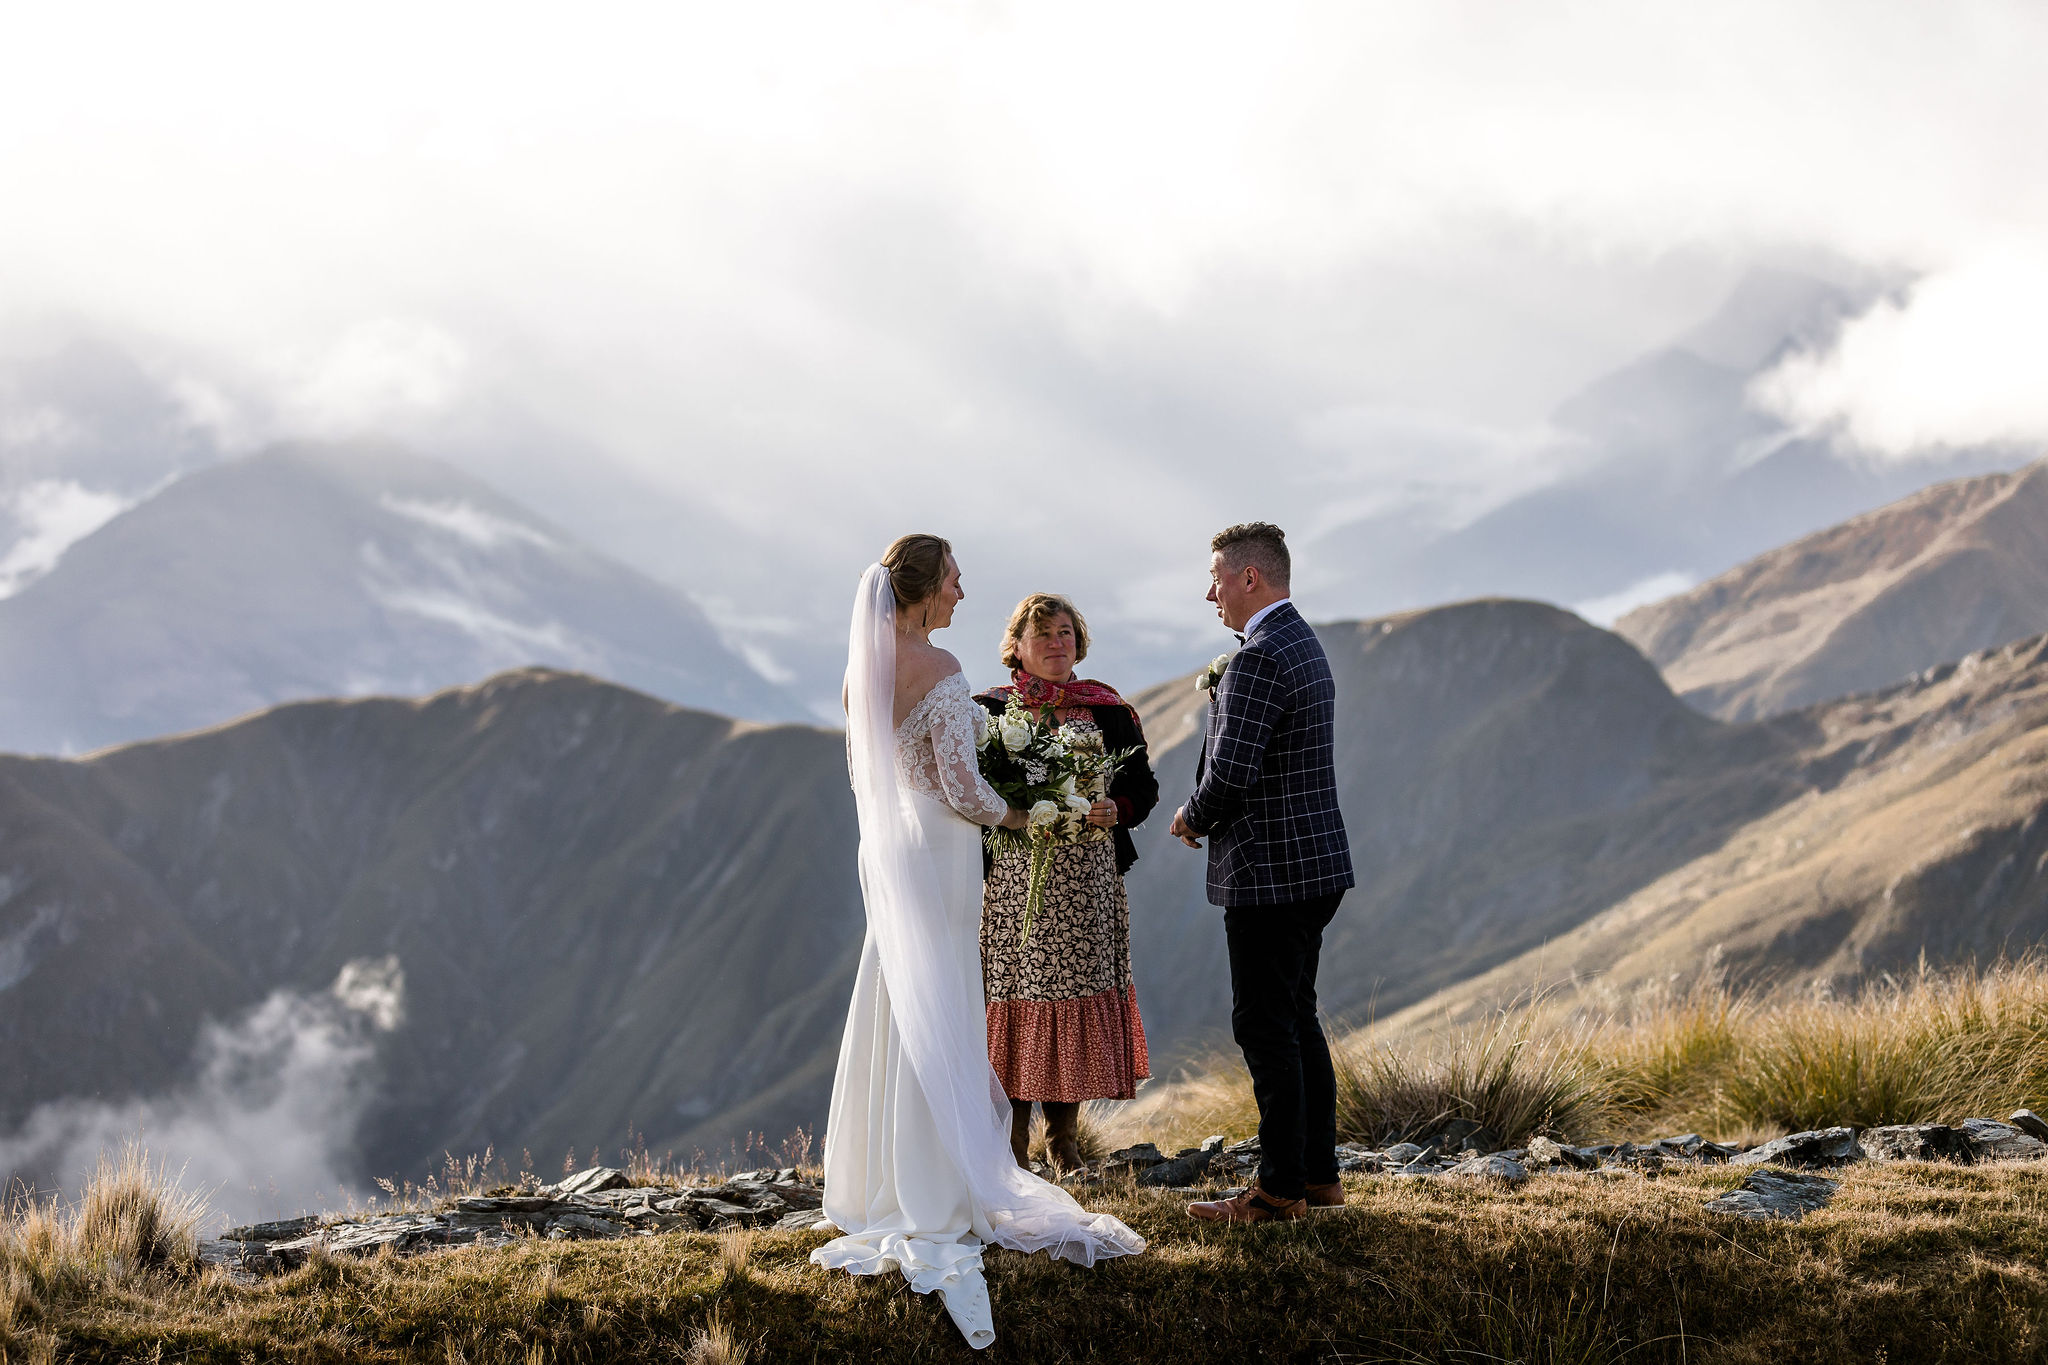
x=1213 y=674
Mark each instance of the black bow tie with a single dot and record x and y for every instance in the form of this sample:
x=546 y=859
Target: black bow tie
x=1240 y=638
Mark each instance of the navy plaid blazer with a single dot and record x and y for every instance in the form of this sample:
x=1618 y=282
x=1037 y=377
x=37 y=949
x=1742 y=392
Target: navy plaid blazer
x=1266 y=784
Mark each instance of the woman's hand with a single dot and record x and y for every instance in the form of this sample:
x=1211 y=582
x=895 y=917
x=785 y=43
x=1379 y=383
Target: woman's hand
x=1014 y=819
x=1102 y=814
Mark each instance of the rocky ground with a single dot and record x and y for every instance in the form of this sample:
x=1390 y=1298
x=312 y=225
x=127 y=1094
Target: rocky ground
x=605 y=1203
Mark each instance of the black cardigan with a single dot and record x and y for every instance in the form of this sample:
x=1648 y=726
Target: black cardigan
x=1134 y=789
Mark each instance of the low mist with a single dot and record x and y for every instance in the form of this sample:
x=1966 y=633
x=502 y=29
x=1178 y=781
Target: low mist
x=266 y=1129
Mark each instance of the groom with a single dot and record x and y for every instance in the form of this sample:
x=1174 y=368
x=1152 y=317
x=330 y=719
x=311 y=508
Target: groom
x=1266 y=797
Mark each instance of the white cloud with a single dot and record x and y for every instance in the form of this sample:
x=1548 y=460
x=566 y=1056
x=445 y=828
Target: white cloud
x=830 y=269
x=54 y=515
x=1961 y=360
x=1605 y=611
x=377 y=372
x=268 y=1125
x=467 y=522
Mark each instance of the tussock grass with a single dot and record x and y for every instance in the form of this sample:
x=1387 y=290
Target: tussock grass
x=1513 y=1076
x=1938 y=1046
x=736 y=1254
x=131 y=1225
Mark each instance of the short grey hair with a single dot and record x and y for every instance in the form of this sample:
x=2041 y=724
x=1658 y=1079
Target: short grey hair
x=1256 y=544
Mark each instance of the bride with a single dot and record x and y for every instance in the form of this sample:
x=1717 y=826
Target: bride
x=918 y=1169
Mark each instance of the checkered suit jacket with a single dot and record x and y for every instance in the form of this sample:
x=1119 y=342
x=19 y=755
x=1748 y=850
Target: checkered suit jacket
x=1266 y=784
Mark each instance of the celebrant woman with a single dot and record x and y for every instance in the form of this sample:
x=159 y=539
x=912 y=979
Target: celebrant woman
x=1063 y=1024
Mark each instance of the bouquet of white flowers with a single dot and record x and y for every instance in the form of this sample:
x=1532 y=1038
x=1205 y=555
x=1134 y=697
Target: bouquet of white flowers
x=1056 y=773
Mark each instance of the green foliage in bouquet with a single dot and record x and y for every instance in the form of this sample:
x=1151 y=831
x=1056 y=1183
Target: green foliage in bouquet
x=1052 y=771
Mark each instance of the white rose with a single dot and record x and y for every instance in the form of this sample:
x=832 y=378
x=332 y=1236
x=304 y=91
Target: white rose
x=1016 y=733
x=1066 y=787
x=1080 y=805
x=1044 y=813
x=988 y=733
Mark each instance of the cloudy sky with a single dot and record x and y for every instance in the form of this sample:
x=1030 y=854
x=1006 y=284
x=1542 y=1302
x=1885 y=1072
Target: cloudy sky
x=739 y=292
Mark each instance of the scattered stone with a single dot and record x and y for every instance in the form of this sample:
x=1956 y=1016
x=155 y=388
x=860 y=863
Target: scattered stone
x=1995 y=1141
x=1129 y=1160
x=1776 y=1194
x=1494 y=1167
x=583 y=1225
x=2030 y=1123
x=1188 y=1165
x=803 y=1220
x=1456 y=1135
x=1352 y=1159
x=1546 y=1152
x=721 y=1210
x=284 y=1230
x=1820 y=1147
x=591 y=1181
x=1916 y=1142
x=1401 y=1153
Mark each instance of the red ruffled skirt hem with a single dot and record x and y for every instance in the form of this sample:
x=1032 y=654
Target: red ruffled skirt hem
x=1069 y=1050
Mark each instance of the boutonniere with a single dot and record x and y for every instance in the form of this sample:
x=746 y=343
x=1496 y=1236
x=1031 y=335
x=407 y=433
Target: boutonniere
x=1213 y=674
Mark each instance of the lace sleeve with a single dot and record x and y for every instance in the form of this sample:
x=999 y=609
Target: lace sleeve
x=955 y=726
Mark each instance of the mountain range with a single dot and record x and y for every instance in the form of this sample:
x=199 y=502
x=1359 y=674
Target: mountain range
x=608 y=914
x=604 y=914
x=1672 y=474
x=332 y=570
x=1951 y=570
x=616 y=917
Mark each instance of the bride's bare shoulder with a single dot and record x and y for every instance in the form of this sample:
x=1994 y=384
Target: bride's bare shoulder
x=921 y=669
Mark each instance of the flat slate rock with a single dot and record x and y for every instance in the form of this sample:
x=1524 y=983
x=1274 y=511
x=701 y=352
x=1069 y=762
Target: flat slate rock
x=591 y=1181
x=1492 y=1168
x=2030 y=1123
x=1916 y=1142
x=1997 y=1141
x=284 y=1230
x=1786 y=1195
x=1820 y=1147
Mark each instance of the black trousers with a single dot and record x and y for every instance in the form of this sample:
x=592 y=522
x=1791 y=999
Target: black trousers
x=1274 y=950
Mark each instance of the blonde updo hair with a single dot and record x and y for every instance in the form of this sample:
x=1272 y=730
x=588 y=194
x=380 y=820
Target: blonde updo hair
x=1041 y=609
x=917 y=566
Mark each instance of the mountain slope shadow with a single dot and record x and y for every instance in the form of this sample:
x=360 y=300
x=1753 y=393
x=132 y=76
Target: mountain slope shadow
x=1506 y=771
x=614 y=916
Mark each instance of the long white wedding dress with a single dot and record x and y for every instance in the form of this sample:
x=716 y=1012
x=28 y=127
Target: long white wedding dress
x=918 y=1169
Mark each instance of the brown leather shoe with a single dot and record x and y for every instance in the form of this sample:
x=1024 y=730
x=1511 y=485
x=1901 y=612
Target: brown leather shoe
x=1330 y=1196
x=1252 y=1206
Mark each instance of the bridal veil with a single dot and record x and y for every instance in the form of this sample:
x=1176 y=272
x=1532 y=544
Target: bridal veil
x=929 y=959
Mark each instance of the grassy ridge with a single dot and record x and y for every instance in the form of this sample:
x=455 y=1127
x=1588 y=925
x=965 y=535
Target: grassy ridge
x=1911 y=1262
x=1939 y=1047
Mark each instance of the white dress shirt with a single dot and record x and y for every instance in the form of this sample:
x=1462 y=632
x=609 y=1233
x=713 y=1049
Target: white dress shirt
x=1261 y=614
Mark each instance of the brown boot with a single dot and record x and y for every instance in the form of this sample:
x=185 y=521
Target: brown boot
x=1330 y=1196
x=1063 y=1136
x=1253 y=1206
x=1020 y=1132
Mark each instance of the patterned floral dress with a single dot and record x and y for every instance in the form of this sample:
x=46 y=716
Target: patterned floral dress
x=1062 y=1015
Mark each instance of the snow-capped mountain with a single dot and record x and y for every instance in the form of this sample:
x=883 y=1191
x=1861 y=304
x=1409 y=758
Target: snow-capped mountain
x=314 y=571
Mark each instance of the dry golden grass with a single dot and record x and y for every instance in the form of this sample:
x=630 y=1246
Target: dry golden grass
x=1911 y=1262
x=1939 y=1046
